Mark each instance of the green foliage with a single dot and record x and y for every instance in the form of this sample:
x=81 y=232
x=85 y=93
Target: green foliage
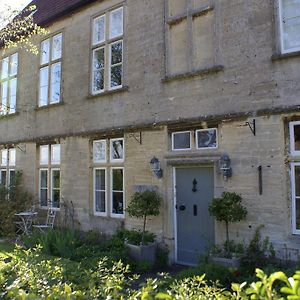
x=258 y=253
x=162 y=257
x=32 y=275
x=18 y=28
x=213 y=273
x=135 y=237
x=228 y=249
x=228 y=209
x=12 y=200
x=143 y=205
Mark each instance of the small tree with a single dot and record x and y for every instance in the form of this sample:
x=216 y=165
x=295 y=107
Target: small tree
x=228 y=209
x=142 y=205
x=18 y=27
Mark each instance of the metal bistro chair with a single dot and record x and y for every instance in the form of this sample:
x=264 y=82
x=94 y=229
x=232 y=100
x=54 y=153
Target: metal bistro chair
x=50 y=220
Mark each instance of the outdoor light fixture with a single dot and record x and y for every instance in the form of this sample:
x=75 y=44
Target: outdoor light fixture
x=225 y=166
x=155 y=167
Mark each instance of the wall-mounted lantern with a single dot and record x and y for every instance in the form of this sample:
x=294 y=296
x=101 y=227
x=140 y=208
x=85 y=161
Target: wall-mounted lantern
x=155 y=167
x=225 y=166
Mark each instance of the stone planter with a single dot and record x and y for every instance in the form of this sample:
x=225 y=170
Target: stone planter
x=226 y=262
x=143 y=252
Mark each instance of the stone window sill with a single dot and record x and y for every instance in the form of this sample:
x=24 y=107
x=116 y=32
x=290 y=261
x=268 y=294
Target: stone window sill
x=49 y=106
x=109 y=92
x=187 y=75
x=280 y=56
x=8 y=116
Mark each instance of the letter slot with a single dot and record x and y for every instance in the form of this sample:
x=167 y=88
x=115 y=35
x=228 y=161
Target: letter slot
x=195 y=210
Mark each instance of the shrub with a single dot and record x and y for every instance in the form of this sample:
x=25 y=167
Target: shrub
x=258 y=253
x=142 y=205
x=12 y=200
x=228 y=209
x=135 y=237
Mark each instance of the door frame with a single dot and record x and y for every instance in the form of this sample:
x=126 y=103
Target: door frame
x=175 y=201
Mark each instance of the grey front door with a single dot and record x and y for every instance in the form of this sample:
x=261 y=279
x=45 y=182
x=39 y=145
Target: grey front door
x=195 y=227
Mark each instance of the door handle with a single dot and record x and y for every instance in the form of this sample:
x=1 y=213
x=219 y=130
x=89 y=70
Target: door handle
x=182 y=207
x=195 y=210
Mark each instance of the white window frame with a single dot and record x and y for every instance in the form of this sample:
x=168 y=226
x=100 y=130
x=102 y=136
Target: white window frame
x=51 y=62
x=207 y=148
x=292 y=138
x=92 y=73
x=8 y=110
x=173 y=140
x=118 y=64
x=113 y=215
x=49 y=167
x=106 y=44
x=51 y=188
x=283 y=51
x=97 y=213
x=40 y=186
x=103 y=160
x=114 y=160
x=294 y=198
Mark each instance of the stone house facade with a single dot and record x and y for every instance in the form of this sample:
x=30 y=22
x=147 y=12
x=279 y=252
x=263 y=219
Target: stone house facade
x=117 y=83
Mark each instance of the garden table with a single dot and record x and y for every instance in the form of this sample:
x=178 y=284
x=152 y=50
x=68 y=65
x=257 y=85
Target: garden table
x=26 y=220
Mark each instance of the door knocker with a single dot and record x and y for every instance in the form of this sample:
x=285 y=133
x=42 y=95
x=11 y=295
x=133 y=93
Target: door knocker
x=194 y=189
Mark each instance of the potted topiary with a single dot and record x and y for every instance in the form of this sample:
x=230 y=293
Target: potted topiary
x=228 y=209
x=142 y=205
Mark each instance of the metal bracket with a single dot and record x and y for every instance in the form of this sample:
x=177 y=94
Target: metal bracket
x=252 y=126
x=137 y=137
x=22 y=149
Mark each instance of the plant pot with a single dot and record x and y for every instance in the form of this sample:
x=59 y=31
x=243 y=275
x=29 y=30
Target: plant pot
x=226 y=262
x=143 y=252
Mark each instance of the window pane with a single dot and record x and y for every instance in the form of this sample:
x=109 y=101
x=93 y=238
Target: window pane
x=297 y=137
x=291 y=23
x=43 y=197
x=55 y=154
x=100 y=201
x=55 y=198
x=99 y=151
x=207 y=138
x=12 y=175
x=57 y=46
x=99 y=30
x=116 y=53
x=181 y=140
x=4 y=68
x=4 y=157
x=116 y=64
x=118 y=203
x=116 y=23
x=13 y=96
x=55 y=179
x=117 y=178
x=117 y=149
x=12 y=157
x=44 y=179
x=98 y=70
x=100 y=180
x=4 y=93
x=3 y=177
x=116 y=76
x=44 y=76
x=14 y=64
x=45 y=51
x=44 y=155
x=55 y=83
